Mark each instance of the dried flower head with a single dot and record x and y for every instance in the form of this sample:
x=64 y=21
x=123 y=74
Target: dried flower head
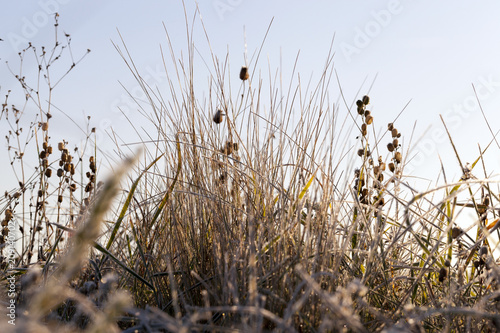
x=244 y=75
x=456 y=232
x=218 y=117
x=398 y=157
x=369 y=120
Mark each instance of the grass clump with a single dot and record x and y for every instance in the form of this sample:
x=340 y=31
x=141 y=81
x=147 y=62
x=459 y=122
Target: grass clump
x=248 y=216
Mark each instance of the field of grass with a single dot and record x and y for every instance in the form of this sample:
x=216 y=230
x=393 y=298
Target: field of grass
x=246 y=211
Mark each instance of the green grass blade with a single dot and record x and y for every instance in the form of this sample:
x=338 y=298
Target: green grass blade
x=127 y=203
x=132 y=272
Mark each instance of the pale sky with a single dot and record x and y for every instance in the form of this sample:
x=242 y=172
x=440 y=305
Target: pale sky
x=428 y=52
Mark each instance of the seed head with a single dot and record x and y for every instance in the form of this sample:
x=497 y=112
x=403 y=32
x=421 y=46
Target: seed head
x=244 y=73
x=369 y=120
x=394 y=132
x=398 y=157
x=390 y=126
x=442 y=274
x=392 y=167
x=366 y=100
x=380 y=177
x=45 y=126
x=218 y=117
x=456 y=232
x=395 y=143
x=60 y=146
x=390 y=147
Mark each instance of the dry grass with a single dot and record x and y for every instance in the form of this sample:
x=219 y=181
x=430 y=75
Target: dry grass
x=249 y=212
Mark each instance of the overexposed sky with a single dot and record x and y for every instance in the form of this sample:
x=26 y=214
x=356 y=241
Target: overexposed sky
x=425 y=51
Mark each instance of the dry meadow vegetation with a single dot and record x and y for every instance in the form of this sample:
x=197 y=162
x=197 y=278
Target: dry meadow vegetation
x=246 y=211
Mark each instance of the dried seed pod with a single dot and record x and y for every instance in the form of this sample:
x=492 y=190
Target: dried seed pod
x=45 y=163
x=382 y=166
x=8 y=215
x=48 y=173
x=361 y=111
x=447 y=263
x=364 y=192
x=380 y=177
x=235 y=146
x=229 y=148
x=67 y=167
x=376 y=170
x=43 y=154
x=392 y=167
x=91 y=159
x=369 y=120
x=92 y=167
x=395 y=143
x=390 y=147
x=357 y=173
x=244 y=75
x=89 y=187
x=483 y=251
x=45 y=126
x=45 y=145
x=456 y=232
x=442 y=274
x=59 y=198
x=218 y=117
x=363 y=127
x=398 y=157
x=61 y=163
x=367 y=113
x=72 y=168
x=40 y=193
x=60 y=146
x=394 y=132
x=72 y=187
x=361 y=152
x=390 y=127
x=64 y=157
x=366 y=100
x=60 y=172
x=359 y=103
x=49 y=150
